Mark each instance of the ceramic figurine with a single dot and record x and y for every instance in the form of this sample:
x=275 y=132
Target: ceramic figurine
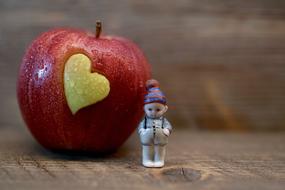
x=154 y=129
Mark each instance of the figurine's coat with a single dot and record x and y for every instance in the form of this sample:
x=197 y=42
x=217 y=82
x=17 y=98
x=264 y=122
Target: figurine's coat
x=153 y=133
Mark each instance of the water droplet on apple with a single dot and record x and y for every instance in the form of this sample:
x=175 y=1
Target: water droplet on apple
x=36 y=76
x=42 y=66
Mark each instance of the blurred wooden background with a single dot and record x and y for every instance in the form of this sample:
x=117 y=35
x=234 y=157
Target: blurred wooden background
x=221 y=63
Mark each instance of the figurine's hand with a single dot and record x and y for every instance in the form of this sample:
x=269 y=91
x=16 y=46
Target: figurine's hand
x=141 y=130
x=166 y=132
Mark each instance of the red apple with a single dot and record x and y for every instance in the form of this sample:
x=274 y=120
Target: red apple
x=81 y=91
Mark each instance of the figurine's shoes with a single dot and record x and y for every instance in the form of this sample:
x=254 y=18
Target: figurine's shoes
x=148 y=164
x=158 y=164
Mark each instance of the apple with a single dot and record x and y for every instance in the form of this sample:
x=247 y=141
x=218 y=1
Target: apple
x=79 y=91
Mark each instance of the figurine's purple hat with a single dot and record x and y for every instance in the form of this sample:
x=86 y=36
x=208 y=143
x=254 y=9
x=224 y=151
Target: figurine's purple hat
x=154 y=94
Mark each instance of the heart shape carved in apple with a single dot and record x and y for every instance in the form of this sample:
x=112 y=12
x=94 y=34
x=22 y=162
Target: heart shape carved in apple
x=82 y=87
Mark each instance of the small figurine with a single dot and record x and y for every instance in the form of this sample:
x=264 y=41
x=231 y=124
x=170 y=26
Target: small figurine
x=154 y=129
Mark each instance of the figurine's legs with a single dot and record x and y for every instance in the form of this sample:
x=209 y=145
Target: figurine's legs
x=147 y=155
x=159 y=155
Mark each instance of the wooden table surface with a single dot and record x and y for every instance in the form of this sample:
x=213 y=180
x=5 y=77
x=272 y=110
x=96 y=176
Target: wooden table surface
x=195 y=160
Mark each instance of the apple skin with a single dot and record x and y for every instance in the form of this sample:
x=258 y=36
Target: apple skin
x=101 y=127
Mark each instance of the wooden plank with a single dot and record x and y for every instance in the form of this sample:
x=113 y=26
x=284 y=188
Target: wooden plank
x=199 y=160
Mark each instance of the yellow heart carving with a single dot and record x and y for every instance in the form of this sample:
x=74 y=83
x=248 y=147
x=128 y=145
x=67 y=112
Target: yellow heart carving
x=83 y=88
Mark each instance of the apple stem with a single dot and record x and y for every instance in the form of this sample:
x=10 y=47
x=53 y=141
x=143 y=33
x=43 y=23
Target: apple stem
x=98 y=28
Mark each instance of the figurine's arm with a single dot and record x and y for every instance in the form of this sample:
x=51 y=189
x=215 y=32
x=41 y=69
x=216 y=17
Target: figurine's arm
x=141 y=126
x=167 y=125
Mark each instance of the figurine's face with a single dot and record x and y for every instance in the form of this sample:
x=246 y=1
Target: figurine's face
x=155 y=110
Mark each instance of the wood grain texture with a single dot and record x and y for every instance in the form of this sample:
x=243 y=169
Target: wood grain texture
x=194 y=160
